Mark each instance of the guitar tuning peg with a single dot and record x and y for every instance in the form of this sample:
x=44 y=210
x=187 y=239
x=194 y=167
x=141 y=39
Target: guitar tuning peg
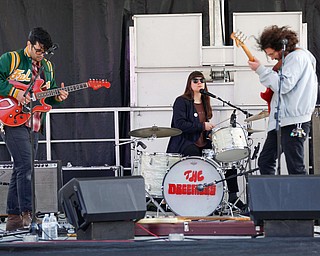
x=243 y=38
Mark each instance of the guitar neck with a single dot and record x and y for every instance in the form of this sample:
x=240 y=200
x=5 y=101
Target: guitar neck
x=54 y=92
x=248 y=53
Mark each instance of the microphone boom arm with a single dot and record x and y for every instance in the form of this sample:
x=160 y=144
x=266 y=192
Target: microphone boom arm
x=202 y=91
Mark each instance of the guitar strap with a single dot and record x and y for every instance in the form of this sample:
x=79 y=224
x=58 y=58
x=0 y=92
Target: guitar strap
x=15 y=61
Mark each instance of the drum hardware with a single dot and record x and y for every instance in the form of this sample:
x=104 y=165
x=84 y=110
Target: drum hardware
x=226 y=207
x=159 y=208
x=261 y=115
x=256 y=151
x=155 y=132
x=250 y=131
x=201 y=186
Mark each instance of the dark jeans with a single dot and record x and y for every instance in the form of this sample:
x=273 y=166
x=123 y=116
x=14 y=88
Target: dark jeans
x=18 y=143
x=193 y=150
x=292 y=147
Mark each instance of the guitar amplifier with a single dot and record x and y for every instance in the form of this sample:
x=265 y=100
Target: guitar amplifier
x=47 y=184
x=67 y=173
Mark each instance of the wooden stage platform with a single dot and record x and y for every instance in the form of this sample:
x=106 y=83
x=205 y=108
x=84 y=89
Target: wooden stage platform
x=198 y=226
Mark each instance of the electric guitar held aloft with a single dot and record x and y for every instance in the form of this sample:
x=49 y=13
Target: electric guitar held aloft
x=239 y=39
x=13 y=113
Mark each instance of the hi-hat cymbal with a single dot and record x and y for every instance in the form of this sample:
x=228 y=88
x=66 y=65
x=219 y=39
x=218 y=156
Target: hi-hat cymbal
x=155 y=131
x=262 y=114
x=250 y=130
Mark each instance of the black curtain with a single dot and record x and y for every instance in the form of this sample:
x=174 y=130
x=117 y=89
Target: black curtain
x=93 y=38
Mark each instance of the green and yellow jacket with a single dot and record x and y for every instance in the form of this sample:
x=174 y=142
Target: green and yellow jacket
x=17 y=65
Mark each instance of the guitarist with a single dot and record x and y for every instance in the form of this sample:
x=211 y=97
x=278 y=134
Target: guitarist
x=22 y=66
x=298 y=97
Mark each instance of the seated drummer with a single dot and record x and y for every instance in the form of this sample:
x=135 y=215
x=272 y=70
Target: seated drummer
x=191 y=114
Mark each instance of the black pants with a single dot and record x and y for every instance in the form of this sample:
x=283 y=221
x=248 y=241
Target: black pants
x=193 y=150
x=292 y=147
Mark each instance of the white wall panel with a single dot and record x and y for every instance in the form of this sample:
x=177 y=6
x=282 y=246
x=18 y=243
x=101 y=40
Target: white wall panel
x=168 y=40
x=247 y=88
x=252 y=25
x=159 y=88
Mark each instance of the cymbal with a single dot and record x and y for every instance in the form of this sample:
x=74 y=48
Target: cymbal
x=250 y=130
x=155 y=131
x=262 y=114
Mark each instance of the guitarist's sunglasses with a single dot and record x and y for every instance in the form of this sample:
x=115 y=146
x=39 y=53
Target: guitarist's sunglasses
x=196 y=80
x=38 y=51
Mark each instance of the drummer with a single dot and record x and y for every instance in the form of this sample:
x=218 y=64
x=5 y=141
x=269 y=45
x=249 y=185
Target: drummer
x=192 y=112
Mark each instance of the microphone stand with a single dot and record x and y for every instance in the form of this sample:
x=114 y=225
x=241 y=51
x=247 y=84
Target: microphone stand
x=25 y=109
x=277 y=114
x=226 y=102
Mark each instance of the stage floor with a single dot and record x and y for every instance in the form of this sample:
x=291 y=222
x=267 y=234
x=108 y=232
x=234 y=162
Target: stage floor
x=171 y=235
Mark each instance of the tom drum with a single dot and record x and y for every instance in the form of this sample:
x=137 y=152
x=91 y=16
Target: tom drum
x=230 y=144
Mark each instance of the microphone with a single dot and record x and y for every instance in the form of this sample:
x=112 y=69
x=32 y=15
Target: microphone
x=200 y=187
x=52 y=49
x=140 y=143
x=233 y=119
x=255 y=152
x=203 y=91
x=284 y=41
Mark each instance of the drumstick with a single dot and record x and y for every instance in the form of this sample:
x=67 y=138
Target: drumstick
x=222 y=122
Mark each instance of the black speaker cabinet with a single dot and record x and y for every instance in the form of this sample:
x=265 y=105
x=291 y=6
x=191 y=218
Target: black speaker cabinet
x=284 y=197
x=47 y=176
x=89 y=200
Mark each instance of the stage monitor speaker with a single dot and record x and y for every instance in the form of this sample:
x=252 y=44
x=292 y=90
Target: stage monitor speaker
x=88 y=200
x=284 y=197
x=47 y=184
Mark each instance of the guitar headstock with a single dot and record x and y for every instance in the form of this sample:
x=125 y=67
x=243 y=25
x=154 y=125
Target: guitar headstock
x=96 y=84
x=239 y=38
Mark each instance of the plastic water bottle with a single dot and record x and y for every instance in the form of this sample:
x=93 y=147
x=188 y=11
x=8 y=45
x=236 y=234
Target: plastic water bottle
x=53 y=226
x=45 y=227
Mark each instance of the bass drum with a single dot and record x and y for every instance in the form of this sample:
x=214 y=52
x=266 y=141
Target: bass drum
x=180 y=187
x=153 y=167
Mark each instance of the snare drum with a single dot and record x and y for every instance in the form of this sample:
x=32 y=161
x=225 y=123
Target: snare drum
x=230 y=144
x=180 y=187
x=153 y=167
x=208 y=153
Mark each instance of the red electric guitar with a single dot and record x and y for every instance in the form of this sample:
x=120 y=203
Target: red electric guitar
x=14 y=114
x=239 y=38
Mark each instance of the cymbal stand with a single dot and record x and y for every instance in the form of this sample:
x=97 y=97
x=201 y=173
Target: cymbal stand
x=136 y=170
x=227 y=206
x=159 y=208
x=134 y=145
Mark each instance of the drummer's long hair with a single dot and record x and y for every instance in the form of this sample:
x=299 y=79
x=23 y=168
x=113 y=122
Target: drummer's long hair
x=188 y=93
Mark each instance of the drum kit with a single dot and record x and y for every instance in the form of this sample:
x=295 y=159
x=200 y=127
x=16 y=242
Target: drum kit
x=193 y=186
